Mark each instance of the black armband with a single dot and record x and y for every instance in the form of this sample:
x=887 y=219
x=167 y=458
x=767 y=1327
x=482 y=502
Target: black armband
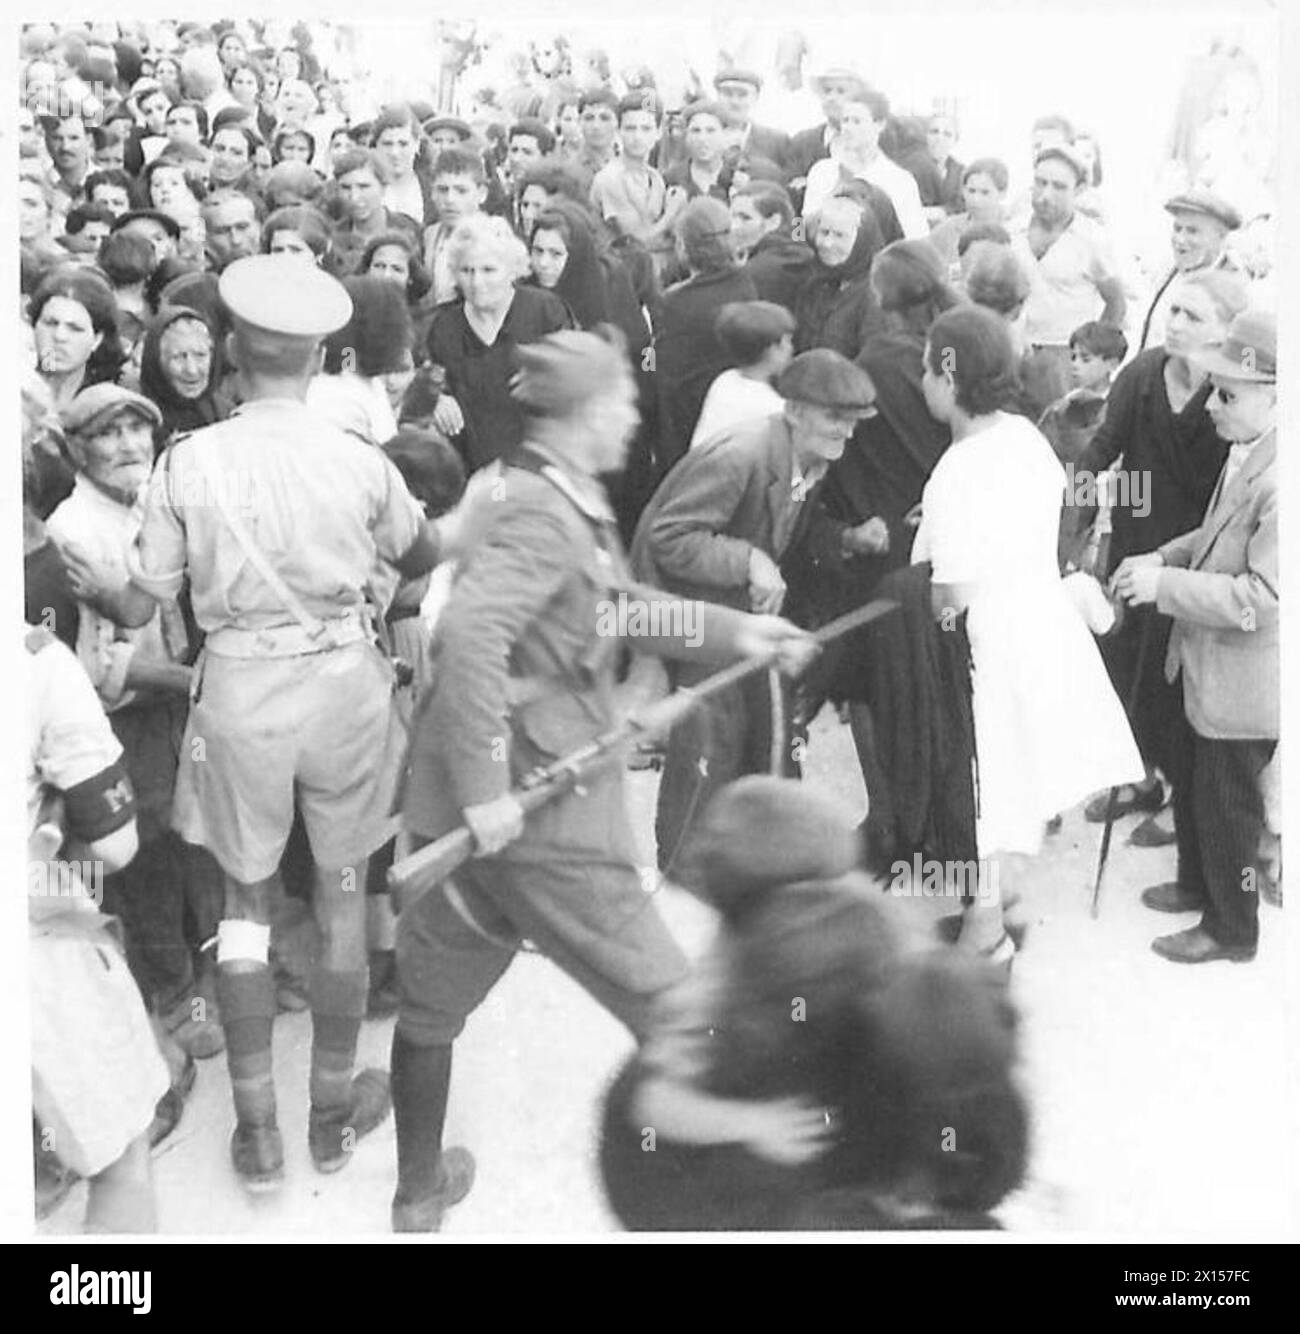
x=100 y=805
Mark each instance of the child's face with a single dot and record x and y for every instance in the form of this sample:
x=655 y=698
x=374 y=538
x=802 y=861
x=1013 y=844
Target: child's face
x=456 y=197
x=1088 y=370
x=638 y=133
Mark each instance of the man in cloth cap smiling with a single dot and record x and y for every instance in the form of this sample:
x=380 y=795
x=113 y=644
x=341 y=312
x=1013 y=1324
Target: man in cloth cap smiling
x=1220 y=584
x=1202 y=222
x=278 y=517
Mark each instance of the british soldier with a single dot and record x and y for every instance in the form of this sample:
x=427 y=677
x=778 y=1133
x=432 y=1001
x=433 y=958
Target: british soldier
x=523 y=675
x=279 y=517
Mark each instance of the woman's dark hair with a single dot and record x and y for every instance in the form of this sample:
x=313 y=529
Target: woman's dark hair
x=1100 y=340
x=430 y=467
x=911 y=281
x=306 y=221
x=974 y=345
x=248 y=64
x=144 y=187
x=994 y=232
x=81 y=214
x=769 y=199
x=93 y=292
x=127 y=258
x=998 y=281
x=556 y=178
x=289 y=132
x=108 y=176
x=418 y=281
x=994 y=168
x=704 y=227
x=378 y=337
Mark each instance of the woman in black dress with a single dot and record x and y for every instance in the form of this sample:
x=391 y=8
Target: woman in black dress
x=835 y=307
x=1171 y=458
x=473 y=339
x=688 y=353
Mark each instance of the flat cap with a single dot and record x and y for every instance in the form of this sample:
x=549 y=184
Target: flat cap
x=836 y=74
x=1066 y=154
x=1249 y=352
x=170 y=225
x=562 y=371
x=93 y=407
x=825 y=378
x=282 y=295
x=738 y=76
x=1200 y=200
x=436 y=123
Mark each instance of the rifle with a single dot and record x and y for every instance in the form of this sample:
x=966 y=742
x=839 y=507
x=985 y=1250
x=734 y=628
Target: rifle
x=416 y=874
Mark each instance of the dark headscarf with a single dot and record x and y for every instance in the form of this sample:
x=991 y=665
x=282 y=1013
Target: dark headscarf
x=582 y=283
x=835 y=307
x=180 y=414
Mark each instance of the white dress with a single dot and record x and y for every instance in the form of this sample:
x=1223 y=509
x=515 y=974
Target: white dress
x=1049 y=728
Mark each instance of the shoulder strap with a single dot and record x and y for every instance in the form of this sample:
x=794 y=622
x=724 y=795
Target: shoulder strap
x=258 y=560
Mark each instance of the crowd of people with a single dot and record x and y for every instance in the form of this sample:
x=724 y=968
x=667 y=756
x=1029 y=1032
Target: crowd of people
x=336 y=433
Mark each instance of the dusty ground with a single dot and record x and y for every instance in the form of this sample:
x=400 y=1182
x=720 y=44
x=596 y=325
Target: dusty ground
x=1137 y=1069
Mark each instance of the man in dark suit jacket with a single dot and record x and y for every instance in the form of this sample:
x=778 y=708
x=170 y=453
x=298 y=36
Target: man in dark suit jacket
x=834 y=87
x=738 y=90
x=1220 y=584
x=718 y=528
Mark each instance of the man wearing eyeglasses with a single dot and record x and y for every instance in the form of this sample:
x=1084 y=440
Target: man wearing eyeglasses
x=1220 y=584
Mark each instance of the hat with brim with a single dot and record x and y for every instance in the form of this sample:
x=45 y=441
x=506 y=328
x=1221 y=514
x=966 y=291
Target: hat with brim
x=1248 y=353
x=839 y=74
x=748 y=76
x=281 y=295
x=169 y=224
x=823 y=377
x=95 y=407
x=1207 y=203
x=437 y=123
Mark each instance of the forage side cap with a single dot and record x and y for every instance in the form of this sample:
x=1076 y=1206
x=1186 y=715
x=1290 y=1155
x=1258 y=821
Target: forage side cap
x=283 y=295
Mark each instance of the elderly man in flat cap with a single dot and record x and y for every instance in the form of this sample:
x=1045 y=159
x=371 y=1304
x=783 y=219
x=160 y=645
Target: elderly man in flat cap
x=719 y=527
x=1220 y=584
x=277 y=518
x=142 y=681
x=527 y=652
x=1202 y=222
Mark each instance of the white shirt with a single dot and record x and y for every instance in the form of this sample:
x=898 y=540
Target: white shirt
x=734 y=398
x=354 y=403
x=898 y=183
x=405 y=196
x=106 y=530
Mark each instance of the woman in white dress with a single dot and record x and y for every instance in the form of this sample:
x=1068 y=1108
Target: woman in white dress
x=1049 y=729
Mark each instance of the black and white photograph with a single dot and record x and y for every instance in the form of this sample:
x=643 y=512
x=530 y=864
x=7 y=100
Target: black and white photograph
x=652 y=620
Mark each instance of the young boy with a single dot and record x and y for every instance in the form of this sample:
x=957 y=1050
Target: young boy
x=459 y=192
x=628 y=192
x=1096 y=352
x=758 y=337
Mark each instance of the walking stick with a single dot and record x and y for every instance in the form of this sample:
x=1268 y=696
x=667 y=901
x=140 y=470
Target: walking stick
x=414 y=875
x=1144 y=638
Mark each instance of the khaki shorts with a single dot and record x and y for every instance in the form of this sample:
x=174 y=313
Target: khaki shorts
x=319 y=728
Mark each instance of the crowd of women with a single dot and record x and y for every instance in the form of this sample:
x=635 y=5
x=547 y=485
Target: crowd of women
x=972 y=356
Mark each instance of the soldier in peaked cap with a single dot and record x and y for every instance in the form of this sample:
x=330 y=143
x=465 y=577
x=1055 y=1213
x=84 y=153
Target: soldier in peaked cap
x=276 y=517
x=1202 y=221
x=526 y=654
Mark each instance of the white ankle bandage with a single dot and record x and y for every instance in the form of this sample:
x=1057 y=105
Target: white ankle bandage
x=236 y=939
